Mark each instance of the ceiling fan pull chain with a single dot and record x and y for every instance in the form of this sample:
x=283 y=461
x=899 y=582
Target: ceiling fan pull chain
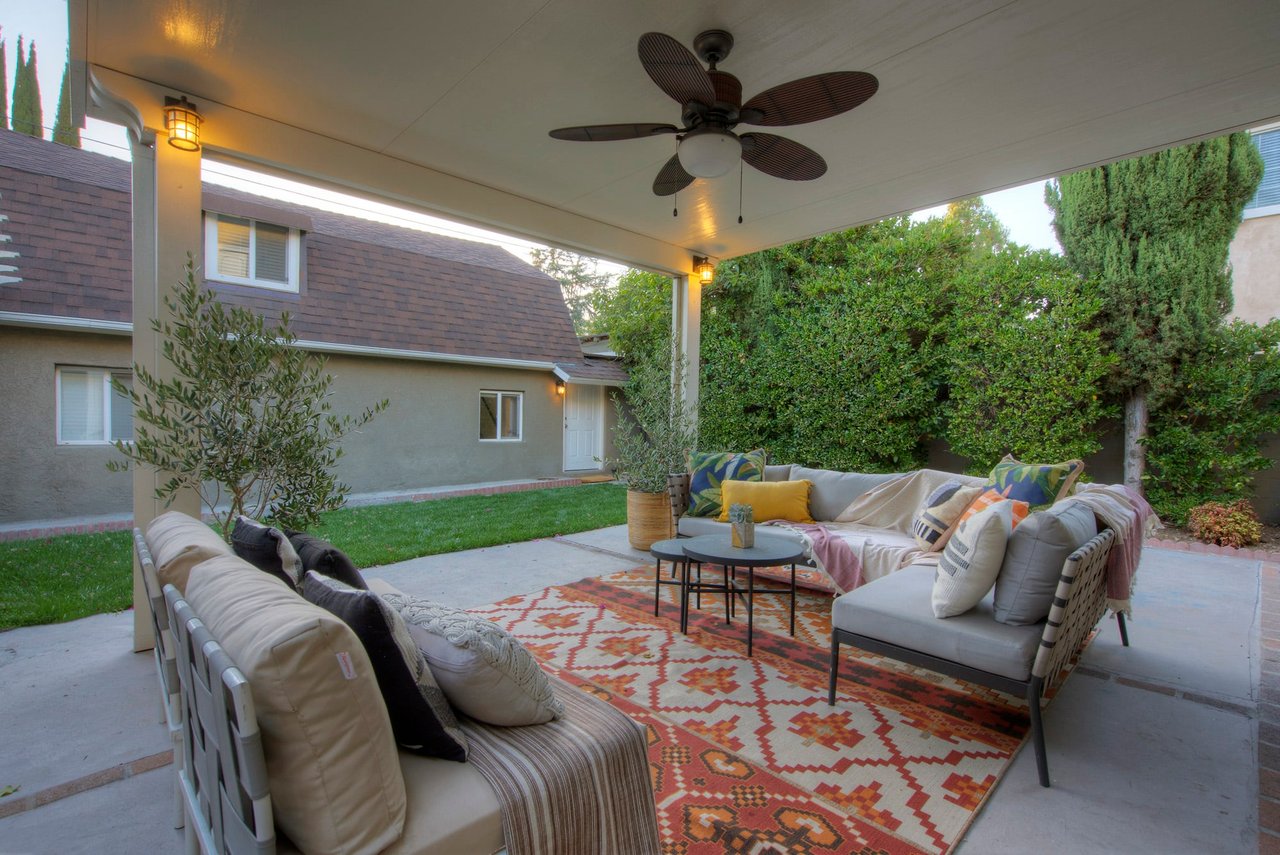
x=675 y=204
x=740 y=167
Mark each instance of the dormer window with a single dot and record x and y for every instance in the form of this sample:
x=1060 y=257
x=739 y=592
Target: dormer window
x=245 y=251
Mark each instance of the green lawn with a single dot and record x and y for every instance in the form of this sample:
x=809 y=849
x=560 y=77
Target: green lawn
x=49 y=580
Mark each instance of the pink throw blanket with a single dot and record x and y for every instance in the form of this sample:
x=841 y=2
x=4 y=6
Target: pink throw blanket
x=1127 y=512
x=830 y=554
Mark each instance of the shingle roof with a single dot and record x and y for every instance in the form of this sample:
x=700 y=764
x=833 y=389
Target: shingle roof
x=367 y=283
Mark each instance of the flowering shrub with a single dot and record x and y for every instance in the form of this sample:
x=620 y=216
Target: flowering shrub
x=1235 y=524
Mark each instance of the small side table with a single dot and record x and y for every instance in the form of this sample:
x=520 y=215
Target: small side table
x=767 y=552
x=672 y=551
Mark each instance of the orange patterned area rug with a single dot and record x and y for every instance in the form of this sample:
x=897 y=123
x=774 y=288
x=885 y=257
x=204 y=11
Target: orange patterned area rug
x=746 y=755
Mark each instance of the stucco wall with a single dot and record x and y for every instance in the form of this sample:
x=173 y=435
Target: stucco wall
x=1255 y=269
x=428 y=437
x=43 y=480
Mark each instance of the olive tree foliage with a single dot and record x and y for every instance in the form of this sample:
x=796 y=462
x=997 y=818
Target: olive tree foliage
x=244 y=419
x=1154 y=231
x=655 y=431
x=1024 y=361
x=1209 y=446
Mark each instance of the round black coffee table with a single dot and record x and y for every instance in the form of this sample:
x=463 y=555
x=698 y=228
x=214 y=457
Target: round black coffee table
x=768 y=551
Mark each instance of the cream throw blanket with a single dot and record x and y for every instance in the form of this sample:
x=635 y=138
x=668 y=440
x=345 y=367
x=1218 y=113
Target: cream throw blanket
x=891 y=507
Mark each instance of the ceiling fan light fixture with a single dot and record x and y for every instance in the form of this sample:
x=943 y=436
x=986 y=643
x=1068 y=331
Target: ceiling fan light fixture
x=709 y=153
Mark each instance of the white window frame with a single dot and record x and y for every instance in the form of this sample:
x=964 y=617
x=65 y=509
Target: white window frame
x=293 y=255
x=107 y=395
x=519 y=396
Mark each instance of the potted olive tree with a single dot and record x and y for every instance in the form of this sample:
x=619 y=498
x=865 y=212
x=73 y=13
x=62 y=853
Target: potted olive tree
x=652 y=438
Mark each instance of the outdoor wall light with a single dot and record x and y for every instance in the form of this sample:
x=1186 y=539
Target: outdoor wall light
x=559 y=387
x=705 y=270
x=183 y=123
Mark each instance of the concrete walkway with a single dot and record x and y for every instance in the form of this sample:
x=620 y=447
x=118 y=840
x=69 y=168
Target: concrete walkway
x=1152 y=748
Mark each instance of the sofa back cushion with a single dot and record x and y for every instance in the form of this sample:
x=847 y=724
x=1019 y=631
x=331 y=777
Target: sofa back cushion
x=781 y=500
x=834 y=491
x=335 y=779
x=178 y=543
x=777 y=472
x=1033 y=560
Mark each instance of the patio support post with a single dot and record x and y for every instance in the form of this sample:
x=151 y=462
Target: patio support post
x=686 y=329
x=166 y=226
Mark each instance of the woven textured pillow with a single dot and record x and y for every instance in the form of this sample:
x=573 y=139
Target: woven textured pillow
x=421 y=718
x=939 y=514
x=971 y=561
x=1037 y=484
x=482 y=669
x=988 y=498
x=708 y=470
x=769 y=500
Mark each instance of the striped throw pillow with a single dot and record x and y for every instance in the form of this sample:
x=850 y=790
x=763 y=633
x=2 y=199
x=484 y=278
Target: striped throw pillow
x=940 y=513
x=989 y=498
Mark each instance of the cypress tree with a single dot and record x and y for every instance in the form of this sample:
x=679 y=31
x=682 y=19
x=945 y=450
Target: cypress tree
x=63 y=131
x=19 y=86
x=4 y=87
x=1154 y=231
x=28 y=116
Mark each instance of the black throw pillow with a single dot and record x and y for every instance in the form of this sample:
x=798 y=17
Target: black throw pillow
x=326 y=559
x=421 y=718
x=267 y=549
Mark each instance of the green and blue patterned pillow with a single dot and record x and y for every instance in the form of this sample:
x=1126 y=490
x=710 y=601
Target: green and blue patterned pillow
x=708 y=469
x=1037 y=484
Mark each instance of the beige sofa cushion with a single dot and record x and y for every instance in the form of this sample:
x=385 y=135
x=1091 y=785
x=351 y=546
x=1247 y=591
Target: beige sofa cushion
x=332 y=764
x=452 y=809
x=178 y=543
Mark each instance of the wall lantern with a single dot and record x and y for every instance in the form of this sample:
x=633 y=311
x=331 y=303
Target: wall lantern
x=183 y=123
x=705 y=270
x=559 y=387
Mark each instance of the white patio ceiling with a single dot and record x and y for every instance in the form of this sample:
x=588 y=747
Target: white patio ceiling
x=446 y=105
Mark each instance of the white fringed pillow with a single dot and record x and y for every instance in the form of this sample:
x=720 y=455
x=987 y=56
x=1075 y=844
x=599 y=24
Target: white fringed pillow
x=971 y=562
x=482 y=669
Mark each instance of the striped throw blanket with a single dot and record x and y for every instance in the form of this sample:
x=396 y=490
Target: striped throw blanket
x=579 y=784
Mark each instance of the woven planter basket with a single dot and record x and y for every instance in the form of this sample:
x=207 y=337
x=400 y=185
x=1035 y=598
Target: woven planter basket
x=648 y=519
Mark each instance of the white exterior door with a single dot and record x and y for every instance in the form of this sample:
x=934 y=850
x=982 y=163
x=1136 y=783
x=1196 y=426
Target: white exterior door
x=583 y=427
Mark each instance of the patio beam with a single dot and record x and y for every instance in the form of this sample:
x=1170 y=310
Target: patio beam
x=270 y=146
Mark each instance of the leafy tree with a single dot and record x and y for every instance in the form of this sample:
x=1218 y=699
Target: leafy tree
x=63 y=131
x=972 y=217
x=1024 y=361
x=580 y=281
x=28 y=116
x=245 y=419
x=1208 y=447
x=636 y=314
x=4 y=87
x=1154 y=232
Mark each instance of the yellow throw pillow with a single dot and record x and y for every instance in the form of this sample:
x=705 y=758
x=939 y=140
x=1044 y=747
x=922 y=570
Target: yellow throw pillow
x=769 y=500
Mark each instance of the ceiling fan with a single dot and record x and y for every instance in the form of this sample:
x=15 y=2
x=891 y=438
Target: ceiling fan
x=712 y=107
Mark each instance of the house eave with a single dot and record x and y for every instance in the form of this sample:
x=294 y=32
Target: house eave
x=56 y=322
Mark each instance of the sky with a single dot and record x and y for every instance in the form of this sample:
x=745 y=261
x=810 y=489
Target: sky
x=1021 y=209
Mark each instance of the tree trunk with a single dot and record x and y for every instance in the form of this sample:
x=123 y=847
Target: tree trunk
x=1135 y=430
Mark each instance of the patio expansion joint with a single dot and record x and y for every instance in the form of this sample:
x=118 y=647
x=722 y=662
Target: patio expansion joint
x=84 y=783
x=1247 y=710
x=586 y=547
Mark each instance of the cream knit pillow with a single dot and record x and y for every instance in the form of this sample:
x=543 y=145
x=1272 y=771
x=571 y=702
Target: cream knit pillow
x=971 y=562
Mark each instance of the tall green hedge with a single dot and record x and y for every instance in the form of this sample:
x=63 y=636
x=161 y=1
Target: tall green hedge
x=1024 y=361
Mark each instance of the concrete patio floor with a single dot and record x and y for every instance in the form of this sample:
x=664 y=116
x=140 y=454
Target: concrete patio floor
x=1152 y=748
